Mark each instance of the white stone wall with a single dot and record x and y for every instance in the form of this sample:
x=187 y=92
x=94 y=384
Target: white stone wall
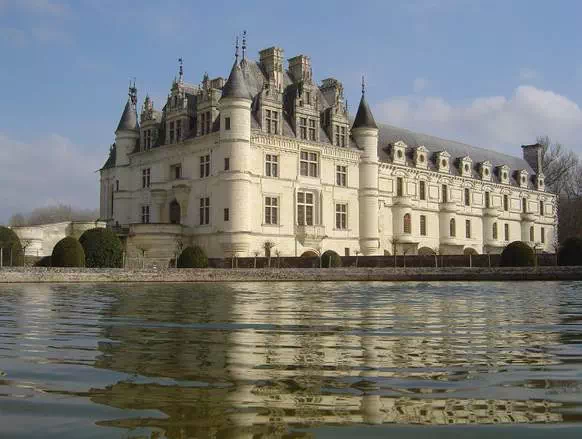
x=389 y=211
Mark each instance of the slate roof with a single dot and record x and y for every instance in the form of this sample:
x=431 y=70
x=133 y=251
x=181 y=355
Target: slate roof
x=364 y=118
x=128 y=121
x=236 y=86
x=388 y=135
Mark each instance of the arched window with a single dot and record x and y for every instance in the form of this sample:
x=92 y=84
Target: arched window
x=453 y=228
x=494 y=230
x=407 y=223
x=531 y=234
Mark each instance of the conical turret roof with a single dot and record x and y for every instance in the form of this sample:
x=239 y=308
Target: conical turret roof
x=364 y=118
x=236 y=86
x=128 y=121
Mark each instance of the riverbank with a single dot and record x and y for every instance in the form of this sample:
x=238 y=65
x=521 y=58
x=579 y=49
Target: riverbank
x=85 y=275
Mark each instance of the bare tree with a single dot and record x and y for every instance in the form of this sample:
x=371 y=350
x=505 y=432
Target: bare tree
x=53 y=214
x=17 y=220
x=268 y=246
x=558 y=165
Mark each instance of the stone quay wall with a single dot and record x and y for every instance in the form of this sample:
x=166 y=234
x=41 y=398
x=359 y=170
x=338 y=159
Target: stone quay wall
x=86 y=275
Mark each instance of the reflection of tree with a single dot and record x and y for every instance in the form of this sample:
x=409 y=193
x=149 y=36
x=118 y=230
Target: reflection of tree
x=256 y=360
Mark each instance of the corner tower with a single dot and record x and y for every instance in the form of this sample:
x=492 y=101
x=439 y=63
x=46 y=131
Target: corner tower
x=235 y=138
x=127 y=132
x=365 y=133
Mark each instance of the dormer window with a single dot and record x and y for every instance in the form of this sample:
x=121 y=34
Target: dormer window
x=272 y=121
x=312 y=130
x=466 y=167
x=486 y=170
x=308 y=98
x=503 y=174
x=303 y=128
x=340 y=135
x=522 y=178
x=540 y=182
x=443 y=162
x=420 y=157
x=178 y=130
x=172 y=132
x=398 y=153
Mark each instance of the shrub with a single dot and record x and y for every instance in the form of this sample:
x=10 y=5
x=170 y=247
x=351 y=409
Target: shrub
x=330 y=259
x=193 y=257
x=102 y=247
x=570 y=252
x=68 y=253
x=517 y=254
x=12 y=254
x=44 y=262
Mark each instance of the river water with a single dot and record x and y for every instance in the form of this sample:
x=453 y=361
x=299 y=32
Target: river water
x=291 y=360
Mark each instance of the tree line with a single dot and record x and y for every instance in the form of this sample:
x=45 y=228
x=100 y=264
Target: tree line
x=53 y=214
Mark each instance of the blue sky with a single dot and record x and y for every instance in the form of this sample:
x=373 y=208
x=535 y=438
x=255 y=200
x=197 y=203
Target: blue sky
x=488 y=72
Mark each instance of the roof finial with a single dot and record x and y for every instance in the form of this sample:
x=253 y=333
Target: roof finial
x=132 y=92
x=244 y=44
x=363 y=86
x=181 y=71
x=236 y=50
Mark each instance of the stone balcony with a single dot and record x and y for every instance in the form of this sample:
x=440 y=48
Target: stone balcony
x=528 y=217
x=449 y=206
x=491 y=211
x=405 y=238
x=402 y=201
x=310 y=236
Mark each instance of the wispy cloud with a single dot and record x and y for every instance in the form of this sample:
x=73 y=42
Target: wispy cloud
x=496 y=122
x=528 y=75
x=49 y=168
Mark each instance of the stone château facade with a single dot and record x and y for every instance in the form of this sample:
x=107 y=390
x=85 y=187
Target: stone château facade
x=269 y=155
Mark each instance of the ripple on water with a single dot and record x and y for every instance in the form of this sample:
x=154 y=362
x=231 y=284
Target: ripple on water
x=271 y=358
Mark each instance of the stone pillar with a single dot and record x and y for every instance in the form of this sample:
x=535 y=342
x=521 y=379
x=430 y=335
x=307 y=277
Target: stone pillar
x=182 y=194
x=158 y=201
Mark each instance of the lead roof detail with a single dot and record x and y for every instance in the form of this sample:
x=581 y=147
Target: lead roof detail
x=128 y=121
x=364 y=118
x=236 y=86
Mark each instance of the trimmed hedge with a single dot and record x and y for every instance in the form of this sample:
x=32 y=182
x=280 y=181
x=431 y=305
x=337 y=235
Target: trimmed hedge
x=517 y=254
x=330 y=259
x=102 y=247
x=44 y=262
x=570 y=252
x=12 y=254
x=68 y=253
x=193 y=257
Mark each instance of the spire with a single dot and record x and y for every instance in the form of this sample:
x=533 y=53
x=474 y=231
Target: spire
x=181 y=70
x=364 y=118
x=244 y=44
x=128 y=121
x=236 y=51
x=236 y=86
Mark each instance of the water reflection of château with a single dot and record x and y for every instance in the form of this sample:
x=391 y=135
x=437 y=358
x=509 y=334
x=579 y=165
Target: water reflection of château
x=230 y=362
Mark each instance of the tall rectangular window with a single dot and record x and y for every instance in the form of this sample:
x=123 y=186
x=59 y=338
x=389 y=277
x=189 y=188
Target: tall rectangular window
x=272 y=119
x=467 y=228
x=204 y=211
x=176 y=171
x=312 y=128
x=337 y=135
x=341 y=216
x=178 y=130
x=308 y=164
x=343 y=137
x=227 y=163
x=202 y=123
x=226 y=214
x=341 y=176
x=543 y=235
x=399 y=186
x=505 y=203
x=145 y=177
x=487 y=200
x=116 y=185
x=227 y=123
x=423 y=225
x=147 y=139
x=467 y=197
x=541 y=208
x=422 y=189
x=271 y=210
x=172 y=133
x=305 y=208
x=271 y=165
x=506 y=232
x=303 y=128
x=145 y=214
x=208 y=122
x=495 y=231
x=445 y=193
x=205 y=166
x=524 y=205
